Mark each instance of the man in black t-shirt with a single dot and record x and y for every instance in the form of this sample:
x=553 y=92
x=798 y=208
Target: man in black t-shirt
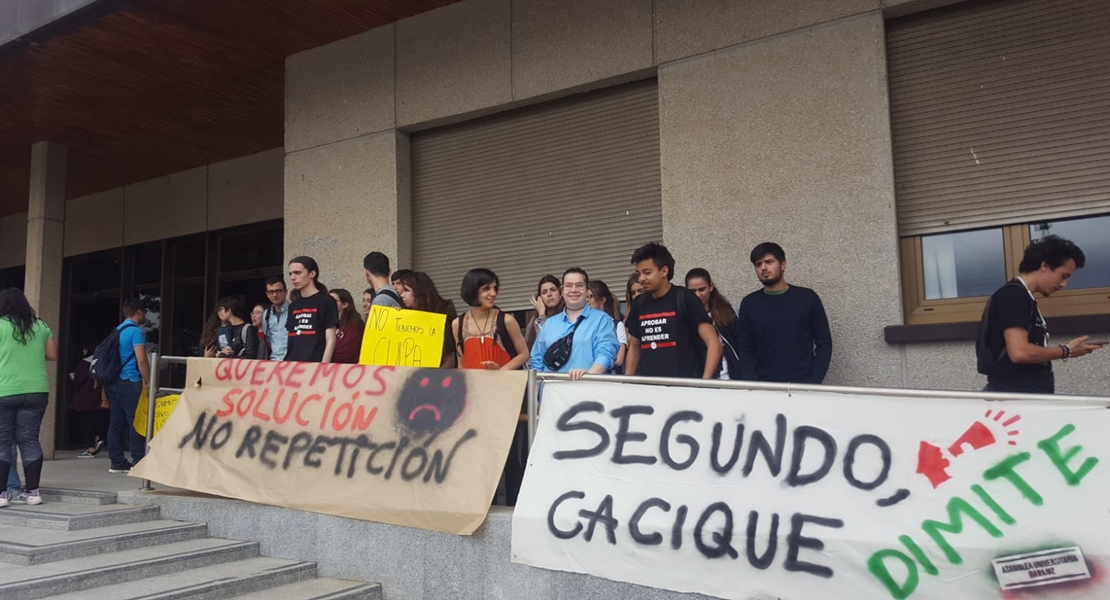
x=669 y=332
x=1016 y=332
x=313 y=316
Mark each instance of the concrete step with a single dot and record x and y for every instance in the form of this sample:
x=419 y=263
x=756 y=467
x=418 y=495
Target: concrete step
x=320 y=589
x=63 y=516
x=77 y=496
x=228 y=580
x=25 y=546
x=81 y=575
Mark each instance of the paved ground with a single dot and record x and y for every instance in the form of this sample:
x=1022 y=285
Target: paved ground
x=67 y=471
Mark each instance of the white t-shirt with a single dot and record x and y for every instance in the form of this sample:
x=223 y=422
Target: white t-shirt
x=622 y=333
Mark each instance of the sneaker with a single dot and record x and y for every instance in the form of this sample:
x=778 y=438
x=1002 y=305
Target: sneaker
x=32 y=498
x=126 y=468
x=98 y=447
x=4 y=502
x=87 y=454
x=16 y=497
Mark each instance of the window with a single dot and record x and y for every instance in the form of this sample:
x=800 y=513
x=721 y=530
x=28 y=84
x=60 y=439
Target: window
x=998 y=120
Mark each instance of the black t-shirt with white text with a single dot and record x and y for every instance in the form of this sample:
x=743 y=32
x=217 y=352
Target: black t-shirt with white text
x=1012 y=306
x=667 y=328
x=309 y=320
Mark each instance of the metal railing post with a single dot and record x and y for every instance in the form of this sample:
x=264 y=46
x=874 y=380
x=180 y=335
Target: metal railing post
x=151 y=401
x=533 y=392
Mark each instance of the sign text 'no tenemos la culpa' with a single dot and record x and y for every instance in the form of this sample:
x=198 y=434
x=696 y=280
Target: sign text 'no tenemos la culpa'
x=415 y=447
x=750 y=494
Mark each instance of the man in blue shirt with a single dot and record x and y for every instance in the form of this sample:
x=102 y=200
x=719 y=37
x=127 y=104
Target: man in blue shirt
x=594 y=345
x=124 y=393
x=275 y=318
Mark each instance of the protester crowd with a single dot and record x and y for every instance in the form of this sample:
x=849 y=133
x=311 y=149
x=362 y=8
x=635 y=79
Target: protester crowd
x=779 y=333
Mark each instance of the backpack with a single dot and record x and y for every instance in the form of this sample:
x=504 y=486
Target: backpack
x=106 y=363
x=984 y=358
x=391 y=294
x=498 y=327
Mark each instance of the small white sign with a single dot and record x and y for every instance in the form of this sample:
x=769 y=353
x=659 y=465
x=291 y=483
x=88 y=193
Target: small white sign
x=1045 y=567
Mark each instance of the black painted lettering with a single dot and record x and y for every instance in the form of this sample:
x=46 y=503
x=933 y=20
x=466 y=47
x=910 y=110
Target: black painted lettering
x=319 y=446
x=850 y=461
x=796 y=541
x=196 y=432
x=221 y=436
x=603 y=514
x=249 y=440
x=665 y=440
x=555 y=531
x=435 y=470
x=625 y=435
x=647 y=539
x=714 y=454
x=299 y=443
x=270 y=447
x=802 y=435
x=762 y=561
x=719 y=543
x=565 y=424
x=370 y=468
x=408 y=473
x=759 y=445
x=396 y=454
x=676 y=529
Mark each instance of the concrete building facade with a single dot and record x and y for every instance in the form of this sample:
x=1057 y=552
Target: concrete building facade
x=774 y=123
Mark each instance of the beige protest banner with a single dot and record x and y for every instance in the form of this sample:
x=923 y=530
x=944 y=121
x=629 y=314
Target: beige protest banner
x=414 y=447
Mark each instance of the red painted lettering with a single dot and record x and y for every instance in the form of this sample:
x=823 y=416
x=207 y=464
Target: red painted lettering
x=278 y=373
x=312 y=398
x=229 y=403
x=298 y=369
x=362 y=424
x=245 y=403
x=359 y=371
x=258 y=405
x=260 y=367
x=380 y=380
x=326 y=370
x=339 y=422
x=327 y=409
x=279 y=419
x=242 y=368
x=223 y=370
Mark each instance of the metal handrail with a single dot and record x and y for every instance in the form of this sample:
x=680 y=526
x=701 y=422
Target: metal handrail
x=154 y=390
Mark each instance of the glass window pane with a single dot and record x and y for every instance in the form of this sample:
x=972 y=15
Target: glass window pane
x=12 y=277
x=152 y=301
x=96 y=273
x=965 y=264
x=249 y=251
x=1092 y=235
x=189 y=259
x=147 y=264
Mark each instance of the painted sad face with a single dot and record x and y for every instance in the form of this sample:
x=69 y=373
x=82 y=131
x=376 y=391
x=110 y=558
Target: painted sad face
x=431 y=401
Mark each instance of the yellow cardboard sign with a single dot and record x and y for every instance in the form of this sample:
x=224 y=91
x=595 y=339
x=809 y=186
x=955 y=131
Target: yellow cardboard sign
x=403 y=338
x=163 y=406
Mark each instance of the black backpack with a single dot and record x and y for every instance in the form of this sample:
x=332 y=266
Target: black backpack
x=391 y=294
x=985 y=359
x=498 y=327
x=106 y=363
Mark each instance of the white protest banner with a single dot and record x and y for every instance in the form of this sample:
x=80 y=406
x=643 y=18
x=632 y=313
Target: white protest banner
x=414 y=447
x=814 y=496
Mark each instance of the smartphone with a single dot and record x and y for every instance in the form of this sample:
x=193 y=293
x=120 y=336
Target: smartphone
x=1097 y=343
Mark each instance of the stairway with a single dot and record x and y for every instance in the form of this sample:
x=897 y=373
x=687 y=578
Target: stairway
x=80 y=544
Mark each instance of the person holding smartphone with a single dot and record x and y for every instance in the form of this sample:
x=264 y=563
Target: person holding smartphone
x=1012 y=349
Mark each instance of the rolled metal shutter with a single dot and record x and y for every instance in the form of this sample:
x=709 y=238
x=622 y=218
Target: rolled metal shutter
x=571 y=183
x=1000 y=113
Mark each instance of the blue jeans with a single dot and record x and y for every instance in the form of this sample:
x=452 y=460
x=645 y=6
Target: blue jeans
x=123 y=397
x=13 y=473
x=20 y=421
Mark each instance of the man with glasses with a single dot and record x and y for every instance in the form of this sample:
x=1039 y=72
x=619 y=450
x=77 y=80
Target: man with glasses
x=275 y=318
x=579 y=340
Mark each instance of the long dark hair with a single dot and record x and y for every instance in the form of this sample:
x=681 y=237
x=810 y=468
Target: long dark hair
x=426 y=295
x=549 y=311
x=634 y=279
x=719 y=308
x=601 y=293
x=15 y=308
x=310 y=265
x=237 y=304
x=350 y=315
x=209 y=333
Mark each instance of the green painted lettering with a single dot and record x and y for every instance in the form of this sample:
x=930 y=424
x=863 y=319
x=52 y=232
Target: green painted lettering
x=1051 y=448
x=1005 y=470
x=918 y=554
x=1003 y=516
x=955 y=526
x=877 y=565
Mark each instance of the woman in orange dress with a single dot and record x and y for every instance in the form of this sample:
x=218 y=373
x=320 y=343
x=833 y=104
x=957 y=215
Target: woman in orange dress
x=486 y=338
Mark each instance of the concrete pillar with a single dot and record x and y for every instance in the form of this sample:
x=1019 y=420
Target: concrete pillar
x=46 y=213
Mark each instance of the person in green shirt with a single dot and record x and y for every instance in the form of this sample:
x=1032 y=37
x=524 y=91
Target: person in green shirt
x=26 y=343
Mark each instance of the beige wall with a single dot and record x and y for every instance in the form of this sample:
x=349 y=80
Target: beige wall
x=94 y=222
x=13 y=240
x=774 y=125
